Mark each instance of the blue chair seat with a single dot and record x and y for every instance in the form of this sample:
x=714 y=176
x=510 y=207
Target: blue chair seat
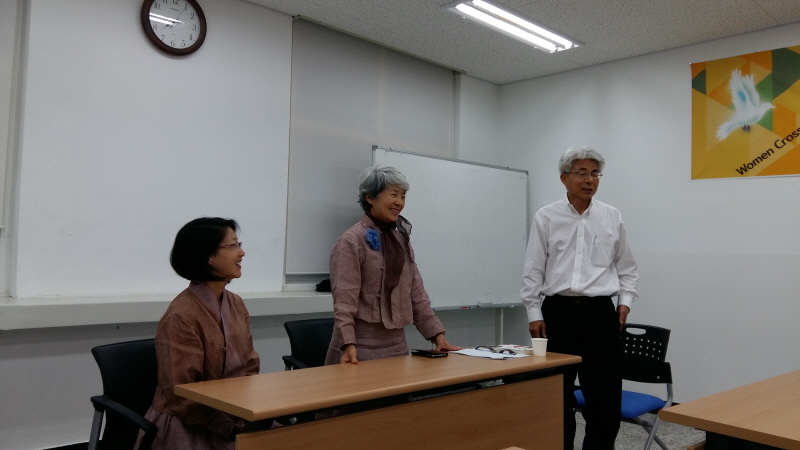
x=580 y=402
x=634 y=404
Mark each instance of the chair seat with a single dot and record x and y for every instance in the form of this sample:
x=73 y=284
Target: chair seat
x=580 y=402
x=634 y=404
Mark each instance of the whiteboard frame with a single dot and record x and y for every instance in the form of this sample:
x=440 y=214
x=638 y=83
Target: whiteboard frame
x=463 y=161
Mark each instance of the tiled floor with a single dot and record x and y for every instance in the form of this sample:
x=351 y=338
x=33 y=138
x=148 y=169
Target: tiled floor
x=633 y=437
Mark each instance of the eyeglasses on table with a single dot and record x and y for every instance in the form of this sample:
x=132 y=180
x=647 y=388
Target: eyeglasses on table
x=495 y=349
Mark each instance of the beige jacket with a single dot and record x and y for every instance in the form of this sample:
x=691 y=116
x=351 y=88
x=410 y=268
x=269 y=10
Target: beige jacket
x=357 y=275
x=199 y=340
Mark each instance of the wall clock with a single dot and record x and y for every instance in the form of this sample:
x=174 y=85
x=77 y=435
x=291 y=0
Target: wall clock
x=177 y=27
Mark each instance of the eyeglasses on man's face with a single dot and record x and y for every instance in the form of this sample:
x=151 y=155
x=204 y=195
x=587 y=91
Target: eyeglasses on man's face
x=235 y=245
x=583 y=176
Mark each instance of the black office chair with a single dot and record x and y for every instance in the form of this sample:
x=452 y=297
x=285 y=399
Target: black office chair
x=309 y=340
x=644 y=350
x=130 y=376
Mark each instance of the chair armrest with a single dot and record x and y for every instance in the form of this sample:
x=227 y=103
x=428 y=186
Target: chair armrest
x=102 y=403
x=293 y=363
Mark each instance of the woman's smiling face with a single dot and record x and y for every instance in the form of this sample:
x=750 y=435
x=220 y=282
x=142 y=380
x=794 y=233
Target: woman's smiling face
x=227 y=261
x=389 y=203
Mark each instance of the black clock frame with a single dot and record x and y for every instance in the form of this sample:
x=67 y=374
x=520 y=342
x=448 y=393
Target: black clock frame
x=152 y=37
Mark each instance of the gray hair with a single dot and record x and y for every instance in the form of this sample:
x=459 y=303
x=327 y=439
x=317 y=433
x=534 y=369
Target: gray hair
x=577 y=153
x=373 y=180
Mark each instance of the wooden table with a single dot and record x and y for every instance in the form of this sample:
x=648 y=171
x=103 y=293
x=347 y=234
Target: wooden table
x=525 y=414
x=766 y=412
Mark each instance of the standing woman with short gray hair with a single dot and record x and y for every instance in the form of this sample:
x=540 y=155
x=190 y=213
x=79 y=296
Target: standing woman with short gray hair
x=377 y=289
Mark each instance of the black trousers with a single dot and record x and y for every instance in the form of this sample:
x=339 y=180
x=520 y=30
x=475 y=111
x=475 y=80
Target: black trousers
x=588 y=327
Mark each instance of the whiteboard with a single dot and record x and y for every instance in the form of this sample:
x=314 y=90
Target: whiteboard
x=469 y=226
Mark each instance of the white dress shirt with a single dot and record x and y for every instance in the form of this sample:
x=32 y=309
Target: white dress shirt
x=577 y=254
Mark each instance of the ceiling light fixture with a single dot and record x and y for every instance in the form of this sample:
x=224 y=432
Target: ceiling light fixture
x=511 y=24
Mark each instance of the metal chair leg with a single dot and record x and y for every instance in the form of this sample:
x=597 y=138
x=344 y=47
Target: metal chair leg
x=650 y=428
x=652 y=436
x=97 y=424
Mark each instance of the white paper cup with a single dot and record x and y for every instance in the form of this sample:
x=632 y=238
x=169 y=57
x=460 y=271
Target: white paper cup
x=539 y=346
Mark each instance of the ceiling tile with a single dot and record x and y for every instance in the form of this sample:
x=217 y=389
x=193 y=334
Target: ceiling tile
x=745 y=18
x=784 y=11
x=609 y=29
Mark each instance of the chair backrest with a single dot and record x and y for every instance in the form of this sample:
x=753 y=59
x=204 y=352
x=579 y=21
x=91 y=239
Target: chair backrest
x=644 y=352
x=310 y=339
x=130 y=377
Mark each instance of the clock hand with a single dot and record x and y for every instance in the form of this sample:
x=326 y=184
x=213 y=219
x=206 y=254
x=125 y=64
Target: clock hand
x=175 y=20
x=172 y=21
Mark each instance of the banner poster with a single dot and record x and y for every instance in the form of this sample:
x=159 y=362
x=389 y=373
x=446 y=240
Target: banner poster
x=746 y=115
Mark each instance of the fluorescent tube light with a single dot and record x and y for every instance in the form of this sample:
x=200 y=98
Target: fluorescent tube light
x=511 y=24
x=519 y=21
x=505 y=27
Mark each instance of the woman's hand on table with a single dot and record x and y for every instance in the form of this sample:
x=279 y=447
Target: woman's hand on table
x=349 y=355
x=443 y=346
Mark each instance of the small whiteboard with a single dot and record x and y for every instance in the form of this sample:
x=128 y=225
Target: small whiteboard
x=469 y=226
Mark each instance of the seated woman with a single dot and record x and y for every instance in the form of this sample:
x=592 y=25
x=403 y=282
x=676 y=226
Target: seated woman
x=204 y=335
x=377 y=289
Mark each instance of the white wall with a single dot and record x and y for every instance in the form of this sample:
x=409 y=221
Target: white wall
x=348 y=95
x=718 y=259
x=121 y=142
x=477 y=121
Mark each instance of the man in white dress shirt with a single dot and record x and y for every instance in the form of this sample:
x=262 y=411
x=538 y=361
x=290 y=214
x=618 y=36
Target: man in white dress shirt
x=577 y=259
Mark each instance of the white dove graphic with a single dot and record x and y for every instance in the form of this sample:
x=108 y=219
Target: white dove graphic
x=749 y=108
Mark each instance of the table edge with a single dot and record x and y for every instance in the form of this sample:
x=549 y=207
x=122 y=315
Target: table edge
x=184 y=390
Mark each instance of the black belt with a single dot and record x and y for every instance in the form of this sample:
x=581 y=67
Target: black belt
x=580 y=301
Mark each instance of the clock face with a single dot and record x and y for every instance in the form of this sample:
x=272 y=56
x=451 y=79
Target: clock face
x=177 y=27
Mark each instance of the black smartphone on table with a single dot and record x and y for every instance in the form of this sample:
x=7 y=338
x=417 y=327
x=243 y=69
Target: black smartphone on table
x=428 y=353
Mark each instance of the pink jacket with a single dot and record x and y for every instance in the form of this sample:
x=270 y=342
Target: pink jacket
x=196 y=340
x=357 y=275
